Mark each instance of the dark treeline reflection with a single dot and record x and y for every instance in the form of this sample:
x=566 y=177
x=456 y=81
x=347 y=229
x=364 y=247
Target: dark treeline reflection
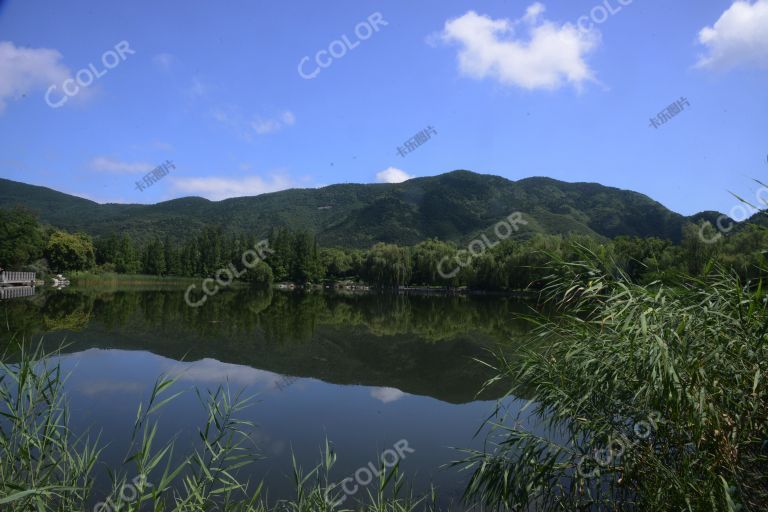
x=419 y=344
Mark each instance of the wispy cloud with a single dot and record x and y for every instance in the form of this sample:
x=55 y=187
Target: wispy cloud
x=392 y=175
x=164 y=61
x=551 y=55
x=197 y=88
x=211 y=371
x=23 y=70
x=738 y=38
x=263 y=126
x=231 y=116
x=217 y=188
x=110 y=165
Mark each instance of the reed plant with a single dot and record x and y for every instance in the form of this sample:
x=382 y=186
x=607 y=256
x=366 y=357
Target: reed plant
x=44 y=466
x=646 y=398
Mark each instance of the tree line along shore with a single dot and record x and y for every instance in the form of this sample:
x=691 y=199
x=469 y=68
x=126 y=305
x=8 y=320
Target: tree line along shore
x=297 y=260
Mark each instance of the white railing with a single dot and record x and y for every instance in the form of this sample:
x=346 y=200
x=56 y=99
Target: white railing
x=17 y=277
x=13 y=292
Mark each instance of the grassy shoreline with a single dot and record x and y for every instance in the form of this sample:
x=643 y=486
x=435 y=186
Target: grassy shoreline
x=113 y=280
x=128 y=279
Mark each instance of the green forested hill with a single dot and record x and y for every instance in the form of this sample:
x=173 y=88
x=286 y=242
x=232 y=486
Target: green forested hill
x=454 y=206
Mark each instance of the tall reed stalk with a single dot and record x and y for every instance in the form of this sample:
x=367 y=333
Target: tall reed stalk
x=44 y=466
x=651 y=398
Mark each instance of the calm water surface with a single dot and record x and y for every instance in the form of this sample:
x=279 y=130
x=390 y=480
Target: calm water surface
x=362 y=371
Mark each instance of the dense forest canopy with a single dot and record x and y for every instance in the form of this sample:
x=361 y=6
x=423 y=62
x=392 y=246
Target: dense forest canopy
x=297 y=256
x=452 y=207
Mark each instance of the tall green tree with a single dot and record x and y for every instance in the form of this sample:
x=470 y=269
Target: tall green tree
x=340 y=263
x=260 y=275
x=70 y=252
x=387 y=265
x=22 y=239
x=696 y=251
x=154 y=258
x=129 y=260
x=212 y=250
x=281 y=243
x=426 y=259
x=172 y=259
x=107 y=250
x=305 y=263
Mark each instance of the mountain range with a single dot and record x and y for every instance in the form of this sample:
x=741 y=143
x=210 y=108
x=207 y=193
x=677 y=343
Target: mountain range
x=455 y=206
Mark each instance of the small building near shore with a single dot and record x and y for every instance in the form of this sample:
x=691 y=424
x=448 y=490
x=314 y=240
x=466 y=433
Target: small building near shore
x=17 y=278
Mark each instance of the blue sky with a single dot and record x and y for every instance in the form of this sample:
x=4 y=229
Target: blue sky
x=512 y=88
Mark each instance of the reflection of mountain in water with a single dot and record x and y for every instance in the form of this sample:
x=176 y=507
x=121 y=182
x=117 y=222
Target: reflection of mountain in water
x=420 y=345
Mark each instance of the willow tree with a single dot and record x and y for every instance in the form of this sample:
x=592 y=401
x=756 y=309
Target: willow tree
x=387 y=265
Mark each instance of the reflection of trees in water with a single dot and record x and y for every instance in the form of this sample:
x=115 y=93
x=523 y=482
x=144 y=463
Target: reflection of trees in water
x=419 y=344
x=292 y=318
x=20 y=317
x=68 y=311
x=282 y=318
x=437 y=318
x=295 y=317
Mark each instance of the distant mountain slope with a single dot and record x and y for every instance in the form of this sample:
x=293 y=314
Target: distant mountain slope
x=455 y=206
x=710 y=216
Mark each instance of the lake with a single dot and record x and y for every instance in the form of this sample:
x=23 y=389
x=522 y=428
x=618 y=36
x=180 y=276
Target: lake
x=363 y=371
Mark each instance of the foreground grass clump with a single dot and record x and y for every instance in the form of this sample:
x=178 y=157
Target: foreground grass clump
x=651 y=398
x=44 y=466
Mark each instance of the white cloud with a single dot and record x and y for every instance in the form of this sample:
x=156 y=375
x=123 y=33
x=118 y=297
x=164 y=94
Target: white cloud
x=264 y=126
x=222 y=115
x=198 y=89
x=392 y=175
x=215 y=188
x=106 y=164
x=211 y=371
x=534 y=12
x=163 y=61
x=25 y=69
x=387 y=395
x=551 y=55
x=738 y=38
x=231 y=116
